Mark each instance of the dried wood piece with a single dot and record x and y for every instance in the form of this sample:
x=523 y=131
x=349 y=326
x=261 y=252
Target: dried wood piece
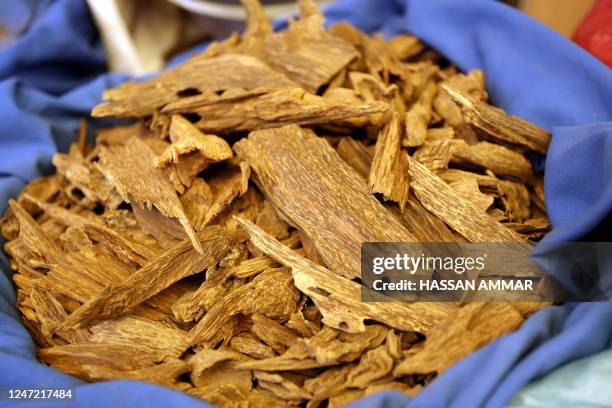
x=305 y=52
x=50 y=314
x=269 y=108
x=487 y=183
x=222 y=395
x=434 y=155
x=472 y=83
x=205 y=359
x=74 y=359
x=405 y=46
x=273 y=333
x=443 y=133
x=344 y=399
x=167 y=231
x=394 y=386
x=69 y=274
x=356 y=155
x=226 y=184
x=534 y=228
x=388 y=174
x=197 y=76
x=419 y=115
x=247 y=343
x=130 y=168
x=515 y=198
x=372 y=88
x=461 y=215
x=499 y=125
x=191 y=152
x=469 y=190
x=247 y=300
x=296 y=171
x=373 y=365
x=280 y=386
x=414 y=77
x=472 y=327
x=87 y=185
x=160 y=340
x=165 y=373
x=499 y=159
x=423 y=224
x=339 y=299
x=269 y=221
x=127 y=250
x=174 y=264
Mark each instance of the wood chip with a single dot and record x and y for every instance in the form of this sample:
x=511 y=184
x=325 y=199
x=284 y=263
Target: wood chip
x=338 y=298
x=498 y=159
x=130 y=168
x=196 y=76
x=174 y=264
x=452 y=340
x=263 y=108
x=462 y=215
x=389 y=171
x=499 y=125
x=312 y=173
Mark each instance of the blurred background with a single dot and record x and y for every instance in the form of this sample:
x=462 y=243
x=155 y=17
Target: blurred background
x=140 y=36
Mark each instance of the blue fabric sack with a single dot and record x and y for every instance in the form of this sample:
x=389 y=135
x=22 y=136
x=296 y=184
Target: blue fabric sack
x=53 y=74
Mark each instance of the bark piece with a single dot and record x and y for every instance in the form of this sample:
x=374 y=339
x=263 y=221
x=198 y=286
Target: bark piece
x=339 y=299
x=130 y=168
x=389 y=172
x=269 y=108
x=174 y=264
x=320 y=194
x=196 y=76
x=499 y=125
x=462 y=215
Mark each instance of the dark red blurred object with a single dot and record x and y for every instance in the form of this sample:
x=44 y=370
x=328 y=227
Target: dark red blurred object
x=595 y=32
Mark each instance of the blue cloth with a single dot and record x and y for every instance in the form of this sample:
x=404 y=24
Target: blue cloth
x=47 y=82
x=583 y=383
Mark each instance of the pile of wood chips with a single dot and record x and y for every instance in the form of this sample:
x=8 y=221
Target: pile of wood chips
x=213 y=245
